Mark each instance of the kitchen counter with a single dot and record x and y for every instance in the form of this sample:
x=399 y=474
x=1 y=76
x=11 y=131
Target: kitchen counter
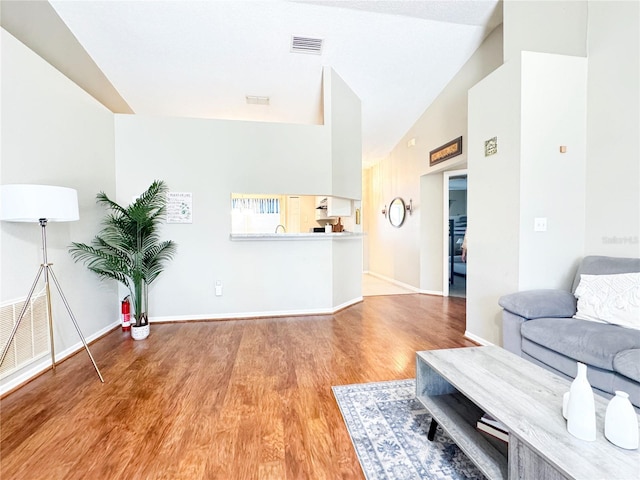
x=294 y=236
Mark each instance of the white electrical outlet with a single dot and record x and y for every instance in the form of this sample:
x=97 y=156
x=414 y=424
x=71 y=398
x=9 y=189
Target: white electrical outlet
x=540 y=224
x=218 y=288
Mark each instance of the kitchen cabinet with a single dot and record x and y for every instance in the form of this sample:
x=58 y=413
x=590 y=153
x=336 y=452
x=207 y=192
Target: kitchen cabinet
x=332 y=207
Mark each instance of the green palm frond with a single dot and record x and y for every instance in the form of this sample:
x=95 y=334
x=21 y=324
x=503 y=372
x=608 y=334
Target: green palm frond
x=111 y=245
x=107 y=202
x=128 y=248
x=120 y=277
x=156 y=257
x=154 y=197
x=99 y=260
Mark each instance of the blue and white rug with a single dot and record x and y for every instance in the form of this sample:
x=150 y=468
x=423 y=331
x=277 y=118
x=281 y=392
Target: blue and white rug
x=388 y=427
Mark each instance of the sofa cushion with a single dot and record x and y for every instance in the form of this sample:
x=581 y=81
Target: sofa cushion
x=600 y=265
x=625 y=384
x=627 y=363
x=599 y=378
x=587 y=342
x=610 y=298
x=540 y=303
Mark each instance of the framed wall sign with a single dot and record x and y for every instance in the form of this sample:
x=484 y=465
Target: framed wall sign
x=179 y=207
x=445 y=152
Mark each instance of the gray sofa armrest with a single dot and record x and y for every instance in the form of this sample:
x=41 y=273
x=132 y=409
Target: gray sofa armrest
x=532 y=304
x=511 y=335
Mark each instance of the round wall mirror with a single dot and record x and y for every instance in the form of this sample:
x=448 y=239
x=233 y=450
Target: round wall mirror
x=397 y=212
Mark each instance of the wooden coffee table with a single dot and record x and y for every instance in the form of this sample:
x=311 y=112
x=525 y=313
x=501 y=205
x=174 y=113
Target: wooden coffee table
x=457 y=385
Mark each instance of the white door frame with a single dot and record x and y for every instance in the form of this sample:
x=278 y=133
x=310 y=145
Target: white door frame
x=445 y=226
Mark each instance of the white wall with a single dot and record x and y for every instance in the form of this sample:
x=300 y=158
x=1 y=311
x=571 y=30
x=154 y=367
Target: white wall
x=393 y=252
x=413 y=253
x=54 y=133
x=459 y=202
x=344 y=117
x=613 y=123
x=211 y=159
x=547 y=26
x=367 y=212
x=214 y=158
x=431 y=233
x=607 y=182
x=343 y=112
x=608 y=33
x=493 y=232
x=554 y=95
x=347 y=271
x=533 y=105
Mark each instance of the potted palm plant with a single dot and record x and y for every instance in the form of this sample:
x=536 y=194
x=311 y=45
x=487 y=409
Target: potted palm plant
x=128 y=248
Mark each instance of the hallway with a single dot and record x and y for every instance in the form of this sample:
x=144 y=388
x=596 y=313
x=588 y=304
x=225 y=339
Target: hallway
x=373 y=286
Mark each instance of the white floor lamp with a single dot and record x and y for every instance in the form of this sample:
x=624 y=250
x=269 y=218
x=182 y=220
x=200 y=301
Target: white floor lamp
x=41 y=204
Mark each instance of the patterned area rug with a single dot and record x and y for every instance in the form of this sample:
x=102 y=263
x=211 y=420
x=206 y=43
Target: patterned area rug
x=388 y=427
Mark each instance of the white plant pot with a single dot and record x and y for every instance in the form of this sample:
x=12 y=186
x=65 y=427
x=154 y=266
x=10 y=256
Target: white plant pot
x=140 y=333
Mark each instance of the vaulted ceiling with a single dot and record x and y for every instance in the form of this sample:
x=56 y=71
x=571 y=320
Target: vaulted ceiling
x=204 y=58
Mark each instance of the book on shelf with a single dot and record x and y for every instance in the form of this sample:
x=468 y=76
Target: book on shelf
x=493 y=427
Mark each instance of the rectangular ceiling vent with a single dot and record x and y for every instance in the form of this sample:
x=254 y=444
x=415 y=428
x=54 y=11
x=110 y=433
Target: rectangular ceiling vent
x=309 y=45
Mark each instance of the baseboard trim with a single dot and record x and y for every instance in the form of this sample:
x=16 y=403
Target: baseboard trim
x=26 y=376
x=244 y=315
x=438 y=293
x=347 y=304
x=477 y=339
x=44 y=363
x=396 y=282
x=92 y=338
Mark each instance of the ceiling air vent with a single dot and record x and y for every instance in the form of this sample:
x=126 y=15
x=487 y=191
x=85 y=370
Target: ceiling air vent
x=306 y=45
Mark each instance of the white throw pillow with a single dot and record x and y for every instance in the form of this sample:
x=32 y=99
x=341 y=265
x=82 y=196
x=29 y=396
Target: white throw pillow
x=610 y=299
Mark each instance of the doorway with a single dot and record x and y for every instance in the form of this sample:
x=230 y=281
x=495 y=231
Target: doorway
x=455 y=228
x=293 y=214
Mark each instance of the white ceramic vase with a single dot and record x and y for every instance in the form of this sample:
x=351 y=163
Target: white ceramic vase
x=581 y=410
x=140 y=333
x=621 y=422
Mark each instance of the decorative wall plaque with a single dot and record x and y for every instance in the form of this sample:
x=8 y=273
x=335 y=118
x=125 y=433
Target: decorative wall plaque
x=446 y=151
x=491 y=147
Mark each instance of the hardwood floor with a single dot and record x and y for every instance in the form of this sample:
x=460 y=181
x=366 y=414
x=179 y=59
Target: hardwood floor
x=238 y=399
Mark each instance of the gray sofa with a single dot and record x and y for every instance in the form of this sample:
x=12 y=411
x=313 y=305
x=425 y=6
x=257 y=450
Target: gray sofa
x=538 y=325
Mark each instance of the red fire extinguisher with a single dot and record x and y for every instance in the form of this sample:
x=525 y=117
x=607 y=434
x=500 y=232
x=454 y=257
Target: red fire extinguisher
x=126 y=314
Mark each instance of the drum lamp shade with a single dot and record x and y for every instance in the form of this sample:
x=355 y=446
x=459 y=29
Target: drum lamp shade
x=30 y=203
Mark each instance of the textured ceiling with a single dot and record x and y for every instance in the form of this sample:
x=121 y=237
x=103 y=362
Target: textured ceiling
x=202 y=58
